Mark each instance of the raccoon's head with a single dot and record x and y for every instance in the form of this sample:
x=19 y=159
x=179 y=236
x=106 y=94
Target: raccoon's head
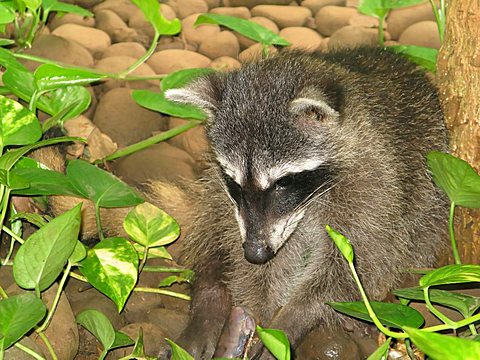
x=269 y=129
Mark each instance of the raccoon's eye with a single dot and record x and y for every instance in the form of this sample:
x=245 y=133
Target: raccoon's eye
x=233 y=188
x=285 y=182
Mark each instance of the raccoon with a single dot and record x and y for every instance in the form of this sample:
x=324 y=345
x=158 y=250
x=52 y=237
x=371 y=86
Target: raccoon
x=300 y=140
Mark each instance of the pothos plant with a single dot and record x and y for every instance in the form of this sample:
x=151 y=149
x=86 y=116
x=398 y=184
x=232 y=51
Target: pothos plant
x=53 y=253
x=423 y=56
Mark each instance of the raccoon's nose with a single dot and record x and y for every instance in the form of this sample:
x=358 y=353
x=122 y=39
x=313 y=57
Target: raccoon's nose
x=257 y=253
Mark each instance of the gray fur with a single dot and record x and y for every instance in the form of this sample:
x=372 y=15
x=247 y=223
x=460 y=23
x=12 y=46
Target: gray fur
x=384 y=118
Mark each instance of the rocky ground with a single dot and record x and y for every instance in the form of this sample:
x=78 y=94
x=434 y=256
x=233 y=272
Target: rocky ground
x=111 y=41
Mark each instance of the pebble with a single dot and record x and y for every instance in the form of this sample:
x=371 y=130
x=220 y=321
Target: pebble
x=301 y=37
x=138 y=21
x=332 y=18
x=114 y=26
x=196 y=34
x=254 y=52
x=221 y=44
x=114 y=115
x=239 y=11
x=423 y=33
x=71 y=19
x=124 y=8
x=171 y=163
x=352 y=36
x=399 y=19
x=60 y=49
x=252 y=3
x=194 y=141
x=225 y=63
x=167 y=61
x=94 y=40
x=115 y=64
x=283 y=16
x=132 y=49
x=315 y=5
x=183 y=8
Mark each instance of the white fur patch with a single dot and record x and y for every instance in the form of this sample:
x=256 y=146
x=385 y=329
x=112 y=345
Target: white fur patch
x=300 y=104
x=186 y=96
x=268 y=178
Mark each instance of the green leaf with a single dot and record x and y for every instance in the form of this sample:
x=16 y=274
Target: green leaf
x=42 y=257
x=9 y=159
x=79 y=253
x=467 y=305
x=380 y=8
x=276 y=342
x=19 y=314
x=53 y=5
x=244 y=27
x=7 y=15
x=342 y=243
x=19 y=126
x=8 y=60
x=32 y=4
x=45 y=182
x=138 y=350
x=181 y=78
x=121 y=340
x=456 y=177
x=49 y=77
x=441 y=347
x=420 y=55
x=375 y=8
x=33 y=218
x=99 y=325
x=393 y=315
x=186 y=276
x=382 y=352
x=178 y=353
x=157 y=252
x=150 y=226
x=103 y=188
x=158 y=102
x=451 y=274
x=5 y=42
x=16 y=181
x=112 y=268
x=151 y=11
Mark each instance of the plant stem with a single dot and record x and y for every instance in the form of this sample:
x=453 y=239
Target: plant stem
x=33 y=29
x=434 y=311
x=164 y=292
x=3 y=294
x=143 y=58
x=99 y=222
x=150 y=141
x=439 y=14
x=451 y=230
x=57 y=298
x=410 y=353
x=473 y=329
x=13 y=235
x=5 y=191
x=455 y=325
x=149 y=268
x=372 y=314
x=78 y=277
x=48 y=345
x=144 y=259
x=29 y=351
x=381 y=34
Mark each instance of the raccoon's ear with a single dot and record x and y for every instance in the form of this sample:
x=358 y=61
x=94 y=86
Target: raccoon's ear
x=312 y=108
x=200 y=93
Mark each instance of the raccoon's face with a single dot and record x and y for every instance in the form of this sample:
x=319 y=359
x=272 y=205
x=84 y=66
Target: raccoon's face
x=270 y=142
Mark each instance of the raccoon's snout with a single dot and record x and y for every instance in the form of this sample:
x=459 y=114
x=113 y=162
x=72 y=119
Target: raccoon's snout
x=257 y=253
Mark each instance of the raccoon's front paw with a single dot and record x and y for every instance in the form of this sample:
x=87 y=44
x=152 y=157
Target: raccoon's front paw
x=197 y=344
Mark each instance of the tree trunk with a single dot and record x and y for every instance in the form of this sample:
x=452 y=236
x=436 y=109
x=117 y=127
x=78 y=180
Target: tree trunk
x=458 y=76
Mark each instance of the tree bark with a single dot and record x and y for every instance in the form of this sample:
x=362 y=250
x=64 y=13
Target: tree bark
x=458 y=77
